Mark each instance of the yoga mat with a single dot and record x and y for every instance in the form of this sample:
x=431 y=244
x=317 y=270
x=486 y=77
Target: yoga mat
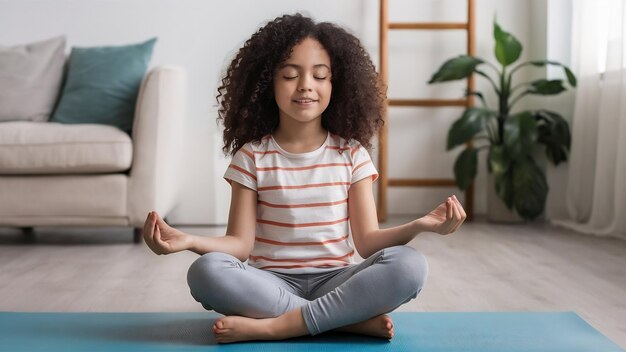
x=121 y=332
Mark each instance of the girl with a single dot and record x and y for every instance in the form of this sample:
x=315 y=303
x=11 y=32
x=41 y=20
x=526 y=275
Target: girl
x=299 y=104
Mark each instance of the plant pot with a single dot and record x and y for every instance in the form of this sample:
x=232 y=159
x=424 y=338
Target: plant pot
x=496 y=209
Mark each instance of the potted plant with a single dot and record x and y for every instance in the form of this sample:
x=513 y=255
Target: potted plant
x=509 y=137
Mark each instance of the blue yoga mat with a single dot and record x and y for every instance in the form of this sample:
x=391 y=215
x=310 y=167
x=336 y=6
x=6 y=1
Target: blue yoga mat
x=121 y=332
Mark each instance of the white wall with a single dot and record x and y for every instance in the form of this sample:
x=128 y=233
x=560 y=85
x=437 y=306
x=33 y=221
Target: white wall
x=203 y=35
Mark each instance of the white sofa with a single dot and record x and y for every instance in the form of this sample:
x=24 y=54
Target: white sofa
x=66 y=175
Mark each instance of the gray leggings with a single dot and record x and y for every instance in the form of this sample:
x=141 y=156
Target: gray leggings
x=380 y=284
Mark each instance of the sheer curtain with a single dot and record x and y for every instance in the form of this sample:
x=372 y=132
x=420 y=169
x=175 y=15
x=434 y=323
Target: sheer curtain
x=596 y=189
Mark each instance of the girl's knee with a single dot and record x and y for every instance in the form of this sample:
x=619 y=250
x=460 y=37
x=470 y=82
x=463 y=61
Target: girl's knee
x=207 y=271
x=410 y=264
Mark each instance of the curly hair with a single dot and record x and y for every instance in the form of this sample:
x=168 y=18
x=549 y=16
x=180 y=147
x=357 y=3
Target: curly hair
x=247 y=107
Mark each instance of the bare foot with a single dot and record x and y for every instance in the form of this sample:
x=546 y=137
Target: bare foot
x=235 y=328
x=379 y=326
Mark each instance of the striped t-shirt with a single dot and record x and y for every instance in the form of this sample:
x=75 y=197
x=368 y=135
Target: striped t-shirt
x=302 y=203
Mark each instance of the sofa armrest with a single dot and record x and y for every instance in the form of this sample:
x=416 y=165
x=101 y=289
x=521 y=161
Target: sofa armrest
x=158 y=133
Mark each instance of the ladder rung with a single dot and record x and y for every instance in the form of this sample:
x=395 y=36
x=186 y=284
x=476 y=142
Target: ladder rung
x=427 y=102
x=428 y=25
x=429 y=182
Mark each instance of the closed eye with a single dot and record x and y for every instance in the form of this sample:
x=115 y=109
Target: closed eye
x=294 y=77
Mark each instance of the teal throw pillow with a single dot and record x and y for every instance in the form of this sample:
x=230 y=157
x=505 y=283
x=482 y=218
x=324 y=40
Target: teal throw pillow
x=102 y=85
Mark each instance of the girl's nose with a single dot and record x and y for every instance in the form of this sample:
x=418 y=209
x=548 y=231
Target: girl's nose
x=304 y=84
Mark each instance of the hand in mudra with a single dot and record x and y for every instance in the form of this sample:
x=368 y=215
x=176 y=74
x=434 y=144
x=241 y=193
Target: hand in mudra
x=162 y=238
x=446 y=218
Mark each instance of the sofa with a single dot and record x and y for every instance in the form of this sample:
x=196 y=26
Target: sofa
x=84 y=175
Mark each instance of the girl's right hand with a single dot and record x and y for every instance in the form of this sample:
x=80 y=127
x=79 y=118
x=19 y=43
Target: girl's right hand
x=162 y=238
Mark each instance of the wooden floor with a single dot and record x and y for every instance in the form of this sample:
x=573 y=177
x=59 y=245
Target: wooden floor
x=481 y=267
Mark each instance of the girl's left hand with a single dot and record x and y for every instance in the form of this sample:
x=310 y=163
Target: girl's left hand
x=445 y=219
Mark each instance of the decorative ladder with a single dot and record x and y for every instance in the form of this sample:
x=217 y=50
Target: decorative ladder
x=384 y=181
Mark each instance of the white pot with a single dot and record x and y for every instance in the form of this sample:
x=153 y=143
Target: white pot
x=496 y=209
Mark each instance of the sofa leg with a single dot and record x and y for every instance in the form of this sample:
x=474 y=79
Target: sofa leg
x=29 y=234
x=137 y=235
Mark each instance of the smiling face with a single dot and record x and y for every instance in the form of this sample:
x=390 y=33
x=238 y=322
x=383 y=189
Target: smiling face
x=302 y=85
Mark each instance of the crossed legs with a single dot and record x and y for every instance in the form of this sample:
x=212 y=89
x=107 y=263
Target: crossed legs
x=262 y=306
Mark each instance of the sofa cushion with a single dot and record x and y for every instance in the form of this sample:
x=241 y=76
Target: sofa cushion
x=50 y=200
x=30 y=79
x=54 y=148
x=103 y=84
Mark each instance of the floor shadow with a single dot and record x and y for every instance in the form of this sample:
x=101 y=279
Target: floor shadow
x=182 y=331
x=171 y=331
x=66 y=236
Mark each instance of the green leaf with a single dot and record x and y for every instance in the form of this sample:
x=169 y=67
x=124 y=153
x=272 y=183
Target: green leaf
x=554 y=133
x=530 y=189
x=546 y=87
x=504 y=188
x=465 y=167
x=520 y=133
x=555 y=153
x=498 y=160
x=473 y=121
x=570 y=75
x=479 y=95
x=456 y=68
x=508 y=48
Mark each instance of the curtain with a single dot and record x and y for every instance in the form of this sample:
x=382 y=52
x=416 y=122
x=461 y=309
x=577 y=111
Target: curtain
x=596 y=189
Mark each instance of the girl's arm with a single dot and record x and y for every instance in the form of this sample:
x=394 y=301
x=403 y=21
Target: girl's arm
x=368 y=238
x=241 y=230
x=239 y=239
